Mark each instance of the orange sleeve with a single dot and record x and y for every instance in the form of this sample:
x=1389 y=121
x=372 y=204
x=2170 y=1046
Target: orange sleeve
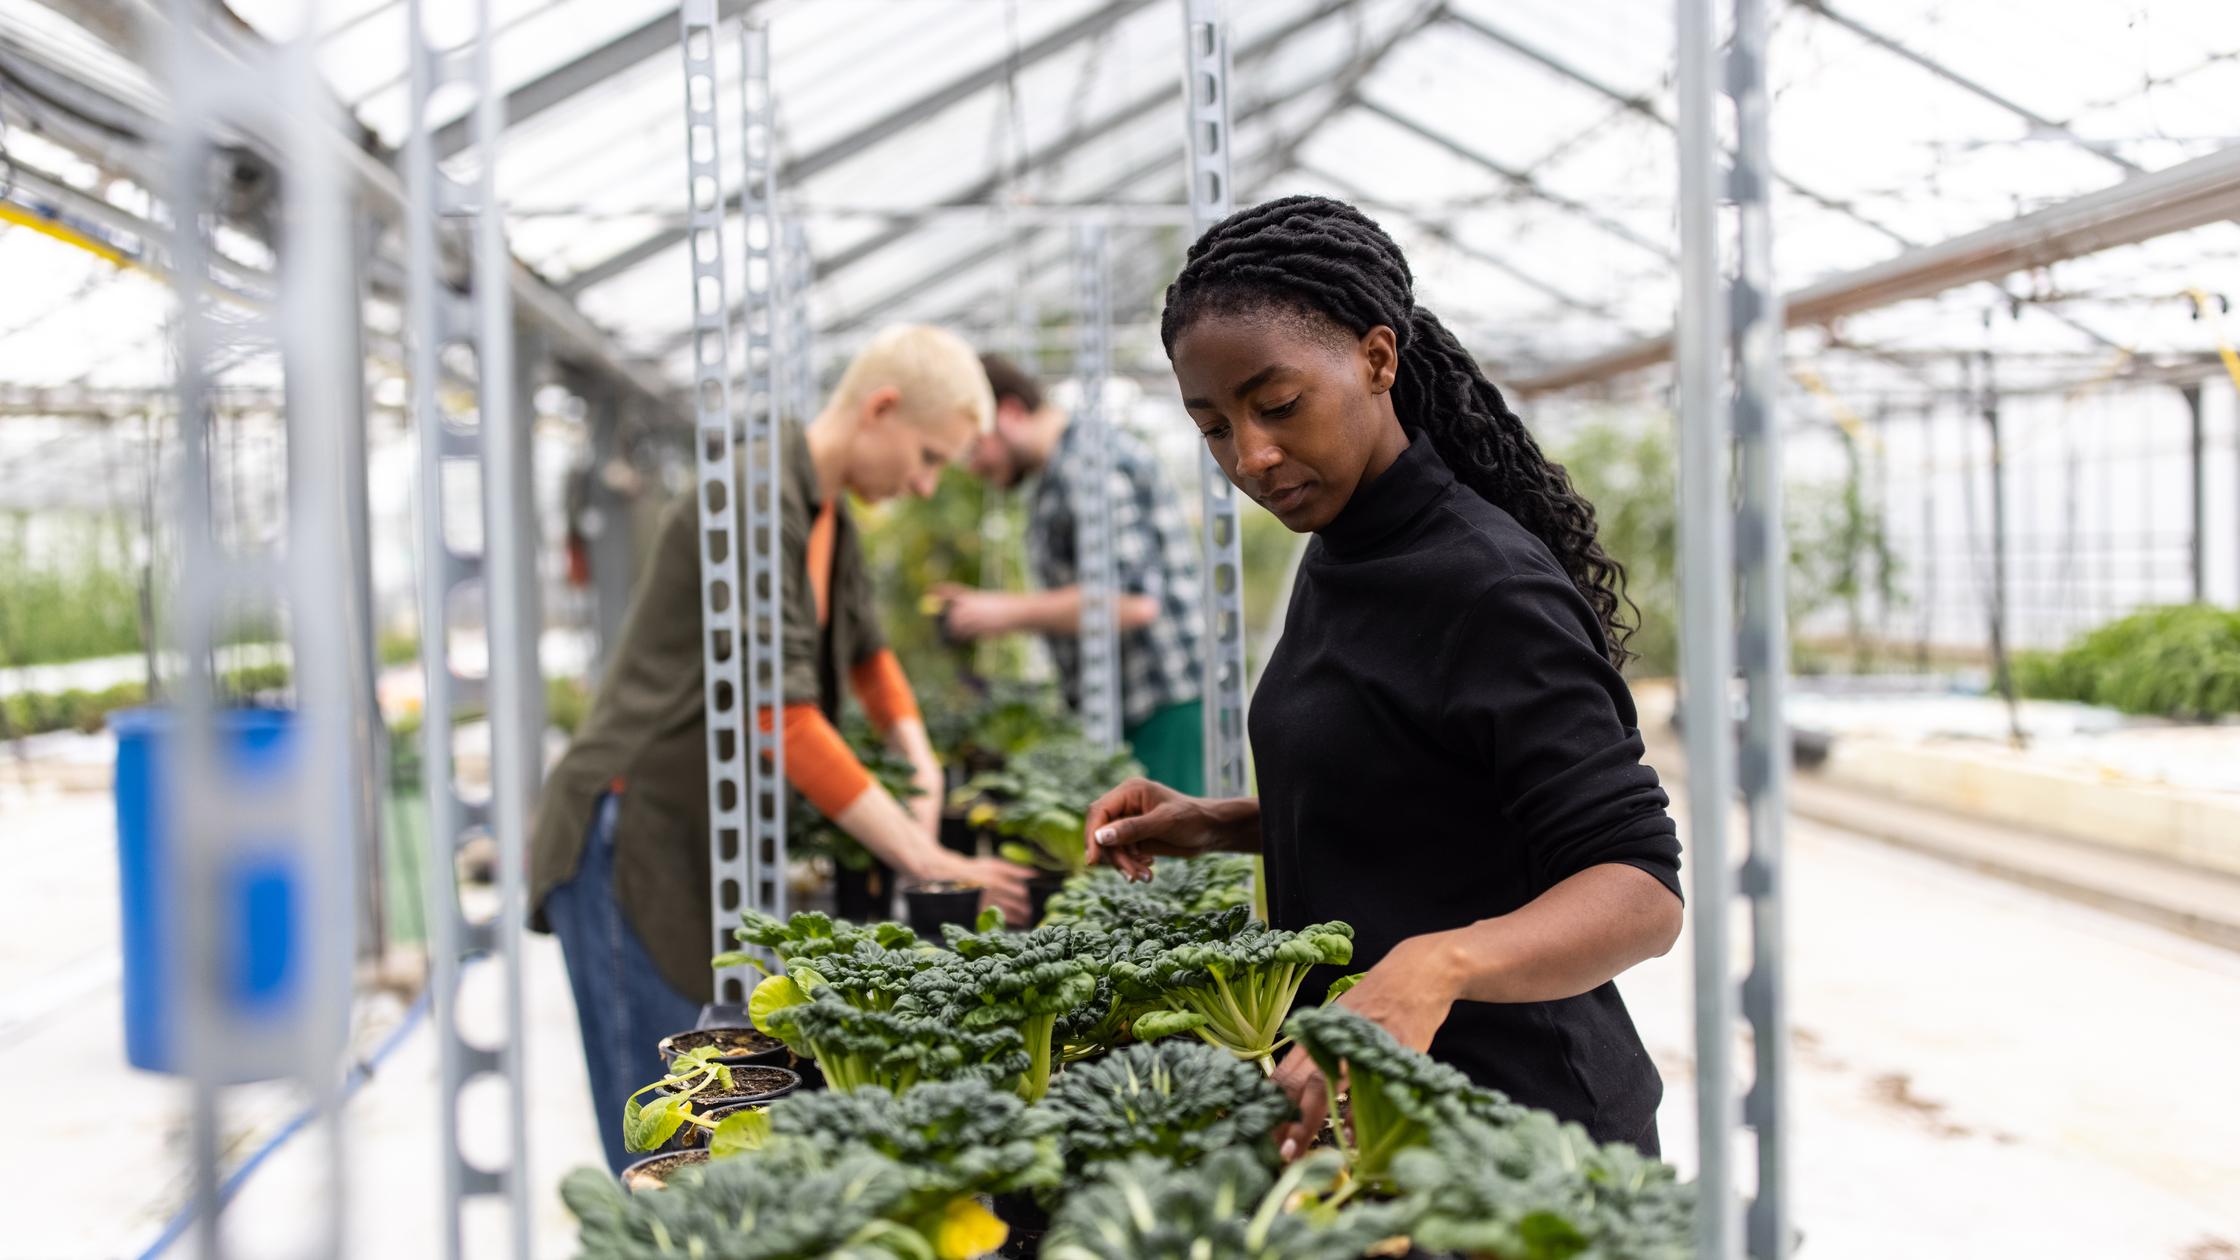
x=819 y=764
x=883 y=689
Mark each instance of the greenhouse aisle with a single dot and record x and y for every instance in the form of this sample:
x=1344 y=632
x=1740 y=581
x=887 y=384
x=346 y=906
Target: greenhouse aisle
x=1980 y=1069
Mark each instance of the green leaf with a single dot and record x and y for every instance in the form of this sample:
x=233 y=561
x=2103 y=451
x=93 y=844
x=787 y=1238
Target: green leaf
x=775 y=993
x=737 y=958
x=1339 y=986
x=990 y=920
x=1023 y=854
x=645 y=1126
x=1152 y=1025
x=741 y=1131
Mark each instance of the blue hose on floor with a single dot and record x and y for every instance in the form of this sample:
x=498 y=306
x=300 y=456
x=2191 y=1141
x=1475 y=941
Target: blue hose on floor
x=360 y=1073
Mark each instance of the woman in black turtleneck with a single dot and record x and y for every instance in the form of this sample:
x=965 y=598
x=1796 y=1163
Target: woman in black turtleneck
x=1447 y=756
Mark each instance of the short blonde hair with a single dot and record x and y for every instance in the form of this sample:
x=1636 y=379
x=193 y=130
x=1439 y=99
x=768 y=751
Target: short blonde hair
x=935 y=371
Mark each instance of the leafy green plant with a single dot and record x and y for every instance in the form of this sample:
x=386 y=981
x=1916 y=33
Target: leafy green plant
x=1233 y=985
x=1539 y=1189
x=952 y=1138
x=1226 y=1207
x=1396 y=1097
x=1039 y=799
x=859 y=1048
x=1102 y=897
x=648 y=1125
x=809 y=934
x=1018 y=980
x=1011 y=718
x=1179 y=1101
x=2178 y=661
x=798 y=1206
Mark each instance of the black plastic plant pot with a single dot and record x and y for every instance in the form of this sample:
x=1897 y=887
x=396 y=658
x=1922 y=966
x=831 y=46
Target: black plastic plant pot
x=653 y=1172
x=1027 y=1220
x=752 y=1085
x=1040 y=889
x=958 y=835
x=865 y=896
x=741 y=1045
x=940 y=901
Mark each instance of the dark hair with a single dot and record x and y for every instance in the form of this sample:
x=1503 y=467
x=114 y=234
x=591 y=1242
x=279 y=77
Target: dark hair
x=1009 y=380
x=1316 y=257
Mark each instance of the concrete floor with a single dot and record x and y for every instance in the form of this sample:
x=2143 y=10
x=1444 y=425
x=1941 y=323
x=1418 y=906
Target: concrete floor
x=1980 y=1069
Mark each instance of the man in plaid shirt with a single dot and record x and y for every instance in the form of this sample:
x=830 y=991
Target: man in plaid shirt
x=1155 y=554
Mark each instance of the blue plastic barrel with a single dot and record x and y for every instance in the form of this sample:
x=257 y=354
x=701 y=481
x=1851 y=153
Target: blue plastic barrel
x=263 y=912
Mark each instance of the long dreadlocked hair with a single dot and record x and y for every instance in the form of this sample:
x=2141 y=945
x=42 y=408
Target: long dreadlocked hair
x=1317 y=257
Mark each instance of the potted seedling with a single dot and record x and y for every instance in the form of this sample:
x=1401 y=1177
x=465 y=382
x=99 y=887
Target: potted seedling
x=654 y=1172
x=733 y=1046
x=697 y=1097
x=1037 y=803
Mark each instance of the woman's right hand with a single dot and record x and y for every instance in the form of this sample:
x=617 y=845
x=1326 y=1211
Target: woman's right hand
x=1141 y=820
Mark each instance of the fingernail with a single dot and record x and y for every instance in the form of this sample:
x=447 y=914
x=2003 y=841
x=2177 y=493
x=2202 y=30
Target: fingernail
x=1104 y=836
x=1290 y=1148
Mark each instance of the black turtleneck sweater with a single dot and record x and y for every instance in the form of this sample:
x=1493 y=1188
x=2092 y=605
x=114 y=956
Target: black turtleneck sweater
x=1439 y=739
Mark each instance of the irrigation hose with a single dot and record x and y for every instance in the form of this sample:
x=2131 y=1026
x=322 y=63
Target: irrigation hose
x=360 y=1073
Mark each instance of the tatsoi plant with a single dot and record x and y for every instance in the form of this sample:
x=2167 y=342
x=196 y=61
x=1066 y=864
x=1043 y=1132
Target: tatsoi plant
x=1234 y=986
x=1540 y=1189
x=952 y=1138
x=857 y=1048
x=864 y=975
x=1397 y=1098
x=1101 y=897
x=1225 y=1208
x=1180 y=1101
x=1022 y=981
x=1039 y=800
x=855 y=1206
x=646 y=1126
x=809 y=934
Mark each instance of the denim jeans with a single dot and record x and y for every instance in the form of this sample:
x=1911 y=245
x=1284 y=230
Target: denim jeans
x=623 y=1005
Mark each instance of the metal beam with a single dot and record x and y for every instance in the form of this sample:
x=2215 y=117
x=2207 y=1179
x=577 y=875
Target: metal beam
x=626 y=51
x=1553 y=292
x=2175 y=199
x=885 y=127
x=1080 y=137
x=2038 y=122
x=1522 y=179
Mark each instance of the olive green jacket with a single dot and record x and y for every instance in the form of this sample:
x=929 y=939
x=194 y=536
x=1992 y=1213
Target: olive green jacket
x=647 y=730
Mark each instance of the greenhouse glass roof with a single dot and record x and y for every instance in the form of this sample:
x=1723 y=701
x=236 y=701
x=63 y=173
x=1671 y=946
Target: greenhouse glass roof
x=1520 y=150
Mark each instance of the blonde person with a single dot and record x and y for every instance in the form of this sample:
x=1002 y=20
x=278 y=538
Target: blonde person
x=619 y=854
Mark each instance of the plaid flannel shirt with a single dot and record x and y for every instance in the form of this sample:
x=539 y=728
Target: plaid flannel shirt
x=1155 y=553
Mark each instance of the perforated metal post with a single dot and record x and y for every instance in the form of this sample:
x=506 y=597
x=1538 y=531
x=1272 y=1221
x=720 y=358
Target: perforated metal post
x=1206 y=92
x=282 y=839
x=473 y=484
x=716 y=492
x=1092 y=524
x=800 y=331
x=1761 y=562
x=762 y=408
x=1717 y=541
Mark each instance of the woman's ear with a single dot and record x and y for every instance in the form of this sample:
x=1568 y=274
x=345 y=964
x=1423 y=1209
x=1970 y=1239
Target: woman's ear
x=1380 y=354
x=879 y=406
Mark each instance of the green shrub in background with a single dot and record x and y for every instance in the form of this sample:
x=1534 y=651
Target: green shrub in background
x=2175 y=661
x=77 y=598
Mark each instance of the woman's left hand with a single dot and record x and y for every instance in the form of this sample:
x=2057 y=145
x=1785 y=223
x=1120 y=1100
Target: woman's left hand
x=1409 y=992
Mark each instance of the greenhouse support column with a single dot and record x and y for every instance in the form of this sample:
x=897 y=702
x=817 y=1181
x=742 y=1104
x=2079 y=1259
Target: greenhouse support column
x=1716 y=540
x=368 y=747
x=1093 y=542
x=1761 y=562
x=762 y=405
x=473 y=462
x=2002 y=674
x=2197 y=456
x=249 y=841
x=1205 y=40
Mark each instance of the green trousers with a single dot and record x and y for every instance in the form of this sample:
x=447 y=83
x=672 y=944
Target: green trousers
x=1171 y=744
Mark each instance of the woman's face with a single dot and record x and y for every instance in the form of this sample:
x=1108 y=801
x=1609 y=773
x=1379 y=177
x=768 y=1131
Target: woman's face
x=1297 y=413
